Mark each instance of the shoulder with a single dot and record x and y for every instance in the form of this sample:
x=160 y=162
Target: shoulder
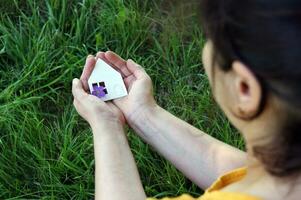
x=216 y=195
x=182 y=197
x=221 y=195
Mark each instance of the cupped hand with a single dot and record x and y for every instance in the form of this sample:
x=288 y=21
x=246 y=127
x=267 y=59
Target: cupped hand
x=139 y=85
x=91 y=108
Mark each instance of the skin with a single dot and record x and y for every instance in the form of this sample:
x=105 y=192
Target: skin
x=240 y=103
x=199 y=156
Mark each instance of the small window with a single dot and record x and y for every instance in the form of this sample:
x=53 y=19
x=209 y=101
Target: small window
x=99 y=89
x=102 y=84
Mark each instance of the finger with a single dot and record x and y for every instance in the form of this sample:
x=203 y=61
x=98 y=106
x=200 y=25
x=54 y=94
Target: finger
x=76 y=104
x=101 y=55
x=136 y=69
x=88 y=68
x=118 y=62
x=128 y=81
x=78 y=90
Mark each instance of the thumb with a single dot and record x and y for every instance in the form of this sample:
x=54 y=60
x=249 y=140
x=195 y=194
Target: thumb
x=77 y=89
x=136 y=69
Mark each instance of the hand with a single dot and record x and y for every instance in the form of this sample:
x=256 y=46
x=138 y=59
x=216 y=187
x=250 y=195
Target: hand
x=138 y=83
x=91 y=108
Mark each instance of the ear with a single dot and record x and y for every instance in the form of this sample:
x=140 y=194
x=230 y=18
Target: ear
x=248 y=91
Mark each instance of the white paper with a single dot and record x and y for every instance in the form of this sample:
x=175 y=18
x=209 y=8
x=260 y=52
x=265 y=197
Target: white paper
x=109 y=79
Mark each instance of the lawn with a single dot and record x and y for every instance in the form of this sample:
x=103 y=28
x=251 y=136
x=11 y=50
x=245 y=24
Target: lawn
x=46 y=149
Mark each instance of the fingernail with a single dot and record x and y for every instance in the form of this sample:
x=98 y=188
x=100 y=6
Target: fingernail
x=89 y=57
x=75 y=81
x=98 y=53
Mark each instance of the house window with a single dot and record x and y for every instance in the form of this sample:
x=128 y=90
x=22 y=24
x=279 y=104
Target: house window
x=99 y=89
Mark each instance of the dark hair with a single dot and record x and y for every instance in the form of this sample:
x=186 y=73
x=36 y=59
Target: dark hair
x=266 y=36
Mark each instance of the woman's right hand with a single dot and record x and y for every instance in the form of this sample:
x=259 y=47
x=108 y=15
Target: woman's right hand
x=140 y=97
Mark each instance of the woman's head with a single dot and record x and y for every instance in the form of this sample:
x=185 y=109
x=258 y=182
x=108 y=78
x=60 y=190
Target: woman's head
x=253 y=61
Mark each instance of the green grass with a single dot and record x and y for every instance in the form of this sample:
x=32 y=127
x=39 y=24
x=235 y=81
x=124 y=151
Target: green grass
x=46 y=149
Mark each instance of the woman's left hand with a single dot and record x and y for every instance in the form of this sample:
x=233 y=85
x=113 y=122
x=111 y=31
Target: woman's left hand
x=91 y=108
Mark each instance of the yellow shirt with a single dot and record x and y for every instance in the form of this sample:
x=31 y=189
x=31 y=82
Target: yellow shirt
x=214 y=193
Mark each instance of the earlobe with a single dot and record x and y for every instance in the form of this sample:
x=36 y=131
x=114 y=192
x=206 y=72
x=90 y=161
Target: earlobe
x=248 y=91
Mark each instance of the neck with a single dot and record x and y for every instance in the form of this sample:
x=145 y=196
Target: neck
x=260 y=182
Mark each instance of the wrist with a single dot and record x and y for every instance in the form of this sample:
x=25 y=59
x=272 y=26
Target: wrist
x=100 y=127
x=141 y=114
x=104 y=120
x=108 y=134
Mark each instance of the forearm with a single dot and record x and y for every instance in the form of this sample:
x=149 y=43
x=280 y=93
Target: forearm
x=199 y=156
x=116 y=176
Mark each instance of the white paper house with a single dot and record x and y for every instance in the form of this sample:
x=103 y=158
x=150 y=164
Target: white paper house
x=105 y=82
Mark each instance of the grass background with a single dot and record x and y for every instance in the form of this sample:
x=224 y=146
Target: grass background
x=46 y=149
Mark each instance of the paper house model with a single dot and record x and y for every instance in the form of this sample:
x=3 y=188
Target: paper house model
x=105 y=82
